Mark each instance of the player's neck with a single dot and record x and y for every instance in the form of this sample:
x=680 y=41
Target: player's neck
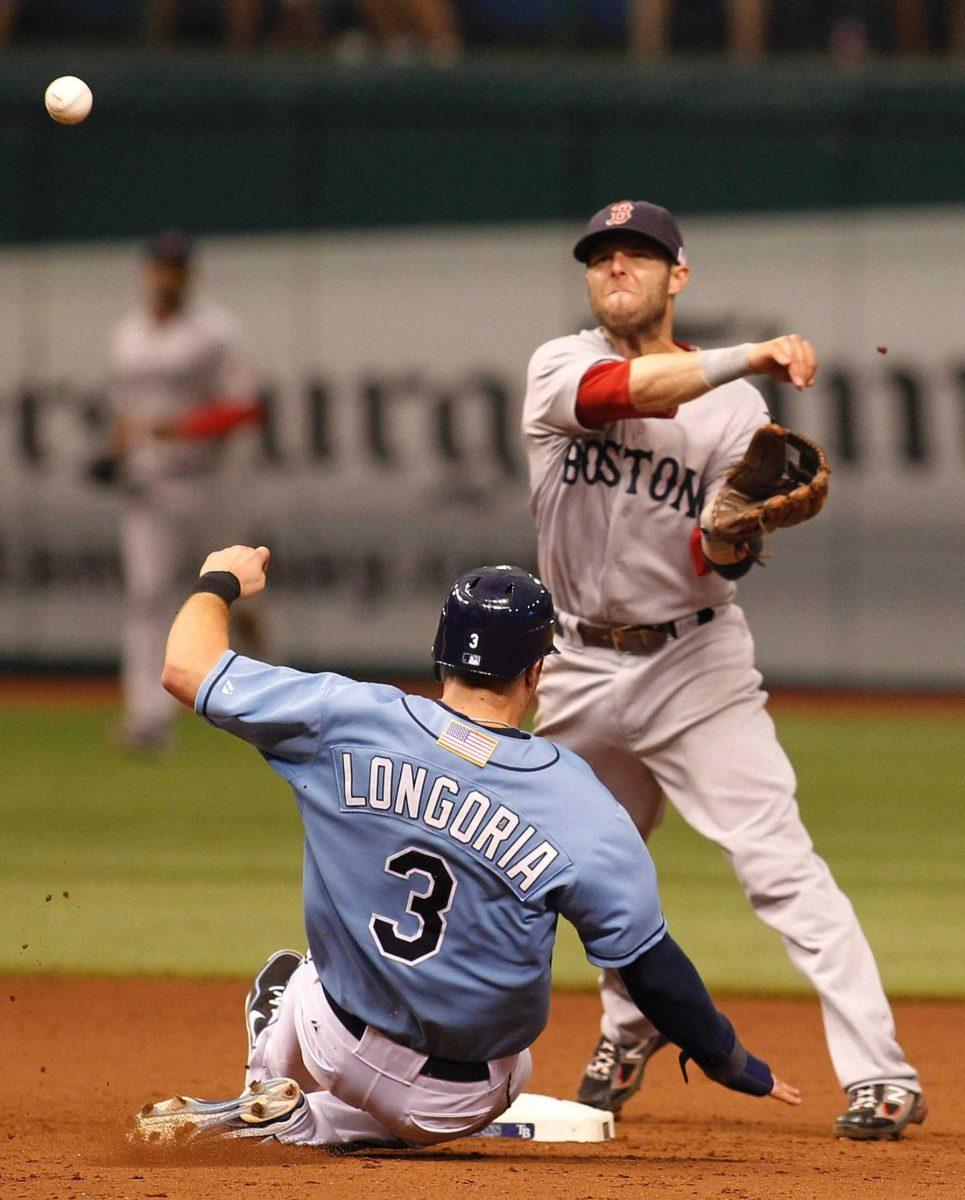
x=644 y=341
x=656 y=337
x=163 y=311
x=486 y=707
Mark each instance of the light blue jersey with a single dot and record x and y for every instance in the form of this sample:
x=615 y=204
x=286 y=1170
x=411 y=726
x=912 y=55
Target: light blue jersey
x=439 y=854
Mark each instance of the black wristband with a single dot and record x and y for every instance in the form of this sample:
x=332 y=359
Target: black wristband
x=739 y=569
x=755 y=1080
x=739 y=1071
x=220 y=583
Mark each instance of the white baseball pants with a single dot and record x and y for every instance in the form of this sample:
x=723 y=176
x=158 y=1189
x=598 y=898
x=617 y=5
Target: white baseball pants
x=689 y=723
x=373 y=1089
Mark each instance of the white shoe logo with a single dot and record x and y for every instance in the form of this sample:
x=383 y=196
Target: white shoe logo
x=227 y=688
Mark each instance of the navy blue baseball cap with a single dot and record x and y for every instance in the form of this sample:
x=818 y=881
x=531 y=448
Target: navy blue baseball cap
x=497 y=620
x=170 y=246
x=651 y=221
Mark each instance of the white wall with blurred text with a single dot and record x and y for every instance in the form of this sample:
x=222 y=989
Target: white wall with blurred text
x=394 y=366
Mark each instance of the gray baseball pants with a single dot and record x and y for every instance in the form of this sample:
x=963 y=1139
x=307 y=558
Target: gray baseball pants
x=689 y=723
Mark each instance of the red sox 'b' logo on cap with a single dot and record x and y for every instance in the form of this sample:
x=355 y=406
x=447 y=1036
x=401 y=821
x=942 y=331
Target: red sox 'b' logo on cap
x=620 y=213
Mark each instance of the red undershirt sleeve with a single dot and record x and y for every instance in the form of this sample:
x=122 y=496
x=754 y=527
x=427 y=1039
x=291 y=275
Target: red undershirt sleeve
x=216 y=420
x=697 y=556
x=604 y=396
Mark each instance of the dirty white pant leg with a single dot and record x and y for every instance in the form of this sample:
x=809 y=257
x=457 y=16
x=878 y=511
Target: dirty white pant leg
x=373 y=1092
x=425 y=1114
x=384 y=1082
x=328 y=1121
x=277 y=1053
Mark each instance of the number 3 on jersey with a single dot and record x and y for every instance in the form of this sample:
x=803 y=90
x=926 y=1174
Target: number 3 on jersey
x=430 y=906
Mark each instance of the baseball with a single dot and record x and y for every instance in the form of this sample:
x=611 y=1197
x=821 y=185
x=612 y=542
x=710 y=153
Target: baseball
x=69 y=100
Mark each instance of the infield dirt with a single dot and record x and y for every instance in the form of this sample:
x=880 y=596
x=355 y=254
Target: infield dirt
x=82 y=1055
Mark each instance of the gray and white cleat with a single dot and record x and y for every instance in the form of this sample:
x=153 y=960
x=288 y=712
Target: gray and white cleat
x=880 y=1111
x=615 y=1073
x=259 y=1112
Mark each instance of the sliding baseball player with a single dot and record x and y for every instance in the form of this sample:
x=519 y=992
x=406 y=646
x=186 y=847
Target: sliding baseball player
x=442 y=843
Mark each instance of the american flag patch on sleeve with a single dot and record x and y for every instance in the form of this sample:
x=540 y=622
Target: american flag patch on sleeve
x=467 y=742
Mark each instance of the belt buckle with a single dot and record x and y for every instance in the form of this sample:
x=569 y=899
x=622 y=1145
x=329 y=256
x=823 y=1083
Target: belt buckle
x=617 y=634
x=638 y=639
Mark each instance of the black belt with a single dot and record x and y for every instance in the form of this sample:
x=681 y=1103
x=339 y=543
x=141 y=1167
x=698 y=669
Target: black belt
x=639 y=639
x=435 y=1068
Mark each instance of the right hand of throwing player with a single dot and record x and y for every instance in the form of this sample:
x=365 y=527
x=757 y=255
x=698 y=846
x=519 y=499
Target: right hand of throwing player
x=785 y=1092
x=248 y=564
x=788 y=359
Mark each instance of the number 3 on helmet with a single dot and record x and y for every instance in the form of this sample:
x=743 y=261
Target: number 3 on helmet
x=497 y=620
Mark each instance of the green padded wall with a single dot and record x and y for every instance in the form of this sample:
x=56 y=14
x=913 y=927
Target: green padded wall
x=278 y=142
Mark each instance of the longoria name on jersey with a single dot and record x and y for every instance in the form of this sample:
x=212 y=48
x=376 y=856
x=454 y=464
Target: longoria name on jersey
x=395 y=786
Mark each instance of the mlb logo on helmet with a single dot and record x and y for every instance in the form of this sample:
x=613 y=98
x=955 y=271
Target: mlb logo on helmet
x=620 y=213
x=472 y=659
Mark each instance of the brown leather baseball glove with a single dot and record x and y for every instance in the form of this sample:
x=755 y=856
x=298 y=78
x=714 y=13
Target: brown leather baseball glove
x=781 y=480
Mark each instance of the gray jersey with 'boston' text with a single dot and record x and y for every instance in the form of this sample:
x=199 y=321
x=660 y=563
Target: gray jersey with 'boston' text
x=615 y=507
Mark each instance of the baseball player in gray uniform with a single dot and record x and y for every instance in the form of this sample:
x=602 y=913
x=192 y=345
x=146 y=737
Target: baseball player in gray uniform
x=441 y=844
x=628 y=436
x=181 y=383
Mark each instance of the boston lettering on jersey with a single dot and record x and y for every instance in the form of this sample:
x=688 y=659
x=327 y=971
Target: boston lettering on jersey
x=413 y=791
x=598 y=460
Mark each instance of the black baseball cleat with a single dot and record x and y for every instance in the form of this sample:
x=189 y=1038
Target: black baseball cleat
x=266 y=992
x=615 y=1073
x=880 y=1110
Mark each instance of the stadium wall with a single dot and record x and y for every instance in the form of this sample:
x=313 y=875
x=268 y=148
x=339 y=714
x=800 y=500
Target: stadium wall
x=262 y=143
x=393 y=364
x=396 y=243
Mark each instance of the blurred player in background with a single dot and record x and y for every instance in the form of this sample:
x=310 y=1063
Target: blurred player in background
x=181 y=385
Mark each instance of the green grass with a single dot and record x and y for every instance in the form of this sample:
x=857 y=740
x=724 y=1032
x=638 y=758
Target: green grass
x=190 y=865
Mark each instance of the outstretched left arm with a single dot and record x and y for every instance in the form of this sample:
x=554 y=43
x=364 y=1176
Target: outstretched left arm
x=665 y=986
x=199 y=635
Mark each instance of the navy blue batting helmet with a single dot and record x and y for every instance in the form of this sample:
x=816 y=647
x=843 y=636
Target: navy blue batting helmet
x=496 y=621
